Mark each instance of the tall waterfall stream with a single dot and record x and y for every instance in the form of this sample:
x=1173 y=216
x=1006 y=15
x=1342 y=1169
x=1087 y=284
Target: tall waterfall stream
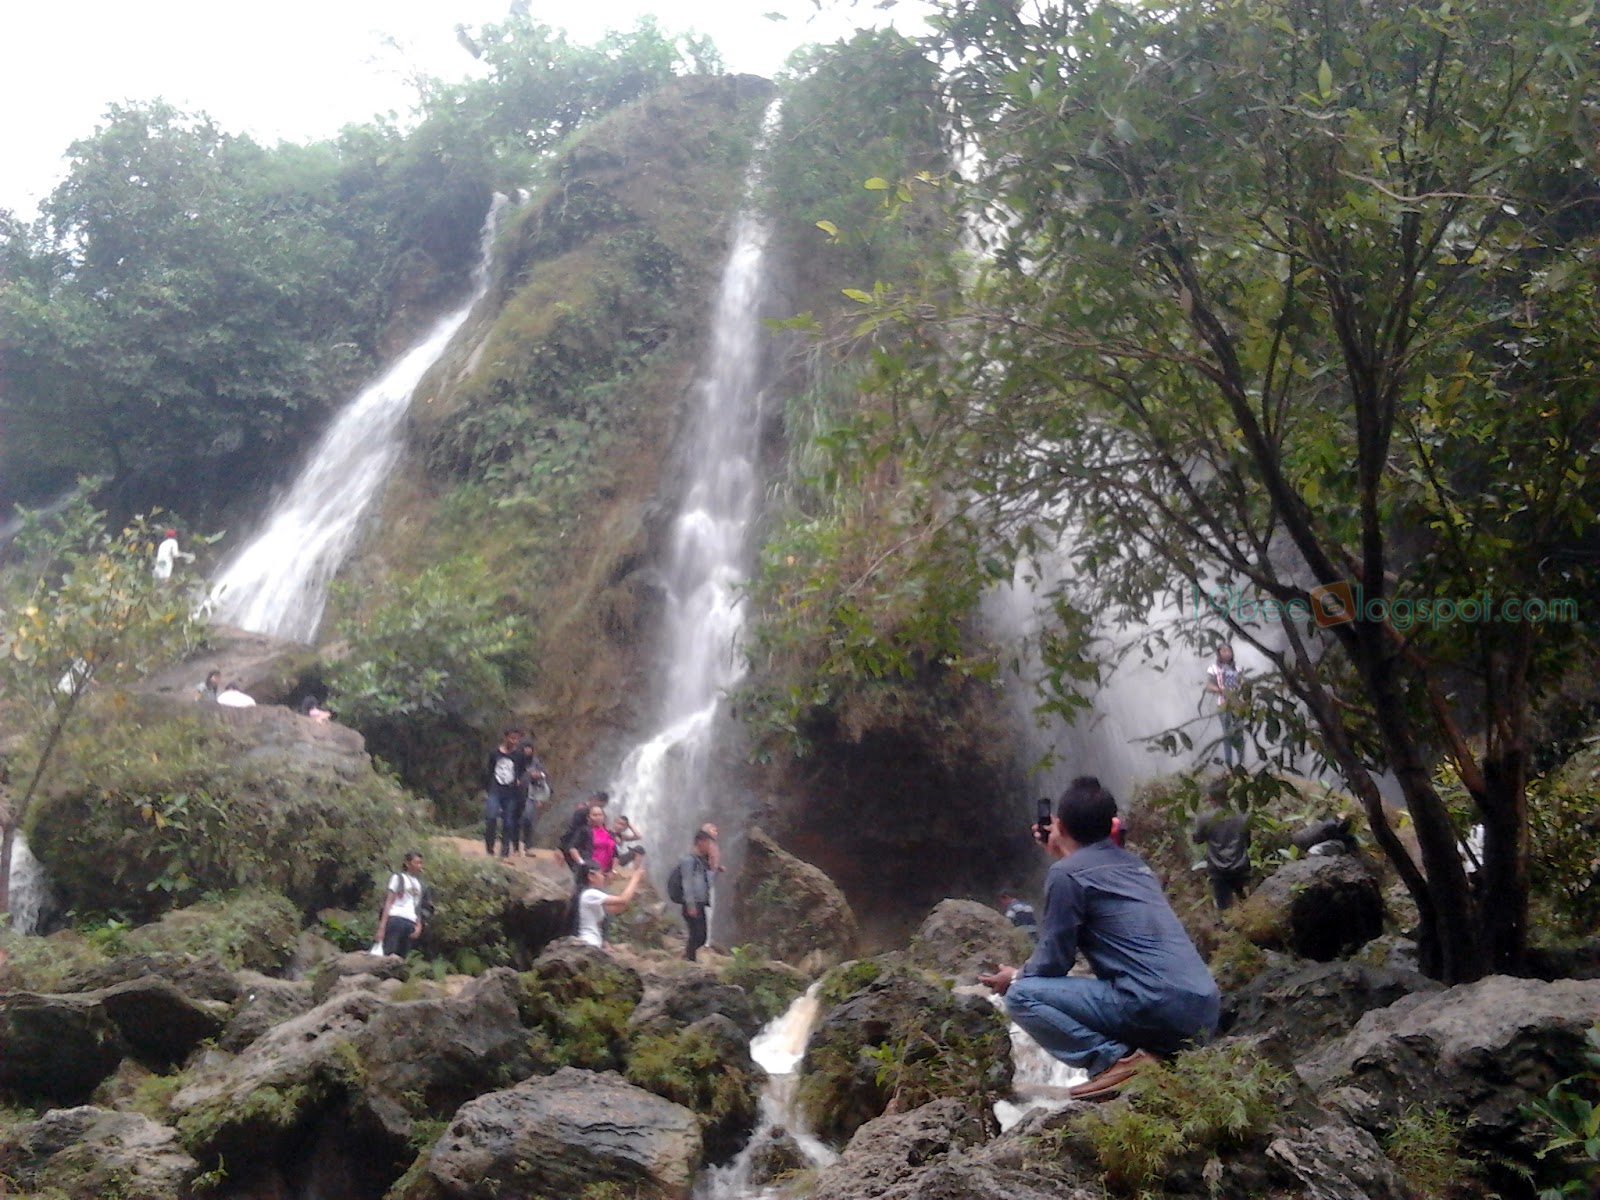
x=278 y=582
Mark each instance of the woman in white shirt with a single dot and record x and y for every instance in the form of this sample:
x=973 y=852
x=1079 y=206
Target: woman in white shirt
x=594 y=905
x=400 y=923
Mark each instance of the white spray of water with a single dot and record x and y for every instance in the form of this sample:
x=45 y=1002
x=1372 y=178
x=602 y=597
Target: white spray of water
x=27 y=893
x=278 y=583
x=661 y=781
x=1038 y=1078
x=777 y=1049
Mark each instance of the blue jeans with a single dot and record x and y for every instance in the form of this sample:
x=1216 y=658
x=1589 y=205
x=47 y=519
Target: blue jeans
x=1087 y=1023
x=505 y=810
x=1232 y=740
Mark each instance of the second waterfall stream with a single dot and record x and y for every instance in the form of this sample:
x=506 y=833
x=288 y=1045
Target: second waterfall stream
x=278 y=583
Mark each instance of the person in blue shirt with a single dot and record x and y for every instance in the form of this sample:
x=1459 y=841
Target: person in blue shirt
x=1151 y=993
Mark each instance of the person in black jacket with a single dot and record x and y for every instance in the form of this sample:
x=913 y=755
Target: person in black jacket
x=577 y=843
x=1226 y=832
x=503 y=793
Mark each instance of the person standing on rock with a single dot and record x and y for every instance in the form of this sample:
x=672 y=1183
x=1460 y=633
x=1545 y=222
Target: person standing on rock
x=535 y=796
x=1222 y=681
x=1226 y=832
x=695 y=872
x=1151 y=993
x=400 y=922
x=593 y=905
x=503 y=794
x=167 y=554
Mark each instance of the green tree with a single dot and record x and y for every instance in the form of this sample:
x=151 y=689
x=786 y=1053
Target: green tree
x=1297 y=296
x=83 y=609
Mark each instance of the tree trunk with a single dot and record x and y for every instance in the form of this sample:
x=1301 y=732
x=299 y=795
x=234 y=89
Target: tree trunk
x=8 y=839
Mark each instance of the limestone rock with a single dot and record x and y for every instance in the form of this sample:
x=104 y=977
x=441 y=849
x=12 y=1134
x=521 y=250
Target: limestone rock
x=265 y=1002
x=953 y=1045
x=425 y=1058
x=203 y=976
x=579 y=998
x=1479 y=1051
x=960 y=936
x=56 y=1048
x=91 y=1154
x=266 y=667
x=774 y=1154
x=1310 y=1003
x=889 y=1149
x=674 y=1001
x=1319 y=908
x=790 y=909
x=555 y=1136
x=707 y=1068
x=244 y=1110
x=355 y=963
x=159 y=1024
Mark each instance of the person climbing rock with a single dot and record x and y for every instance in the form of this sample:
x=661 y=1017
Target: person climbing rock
x=1226 y=832
x=502 y=805
x=1151 y=993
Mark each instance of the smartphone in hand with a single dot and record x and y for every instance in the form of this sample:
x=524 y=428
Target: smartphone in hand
x=1041 y=824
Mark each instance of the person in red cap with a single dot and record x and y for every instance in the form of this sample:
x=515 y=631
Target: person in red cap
x=167 y=553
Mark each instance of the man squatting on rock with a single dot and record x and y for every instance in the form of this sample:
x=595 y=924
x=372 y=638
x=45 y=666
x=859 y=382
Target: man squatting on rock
x=1151 y=993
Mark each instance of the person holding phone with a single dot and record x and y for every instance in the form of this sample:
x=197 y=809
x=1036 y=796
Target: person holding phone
x=1151 y=994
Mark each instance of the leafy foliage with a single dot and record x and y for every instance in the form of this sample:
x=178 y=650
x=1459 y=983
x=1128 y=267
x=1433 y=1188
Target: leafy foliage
x=1203 y=1101
x=1426 y=1147
x=1572 y=1109
x=1294 y=297
x=82 y=607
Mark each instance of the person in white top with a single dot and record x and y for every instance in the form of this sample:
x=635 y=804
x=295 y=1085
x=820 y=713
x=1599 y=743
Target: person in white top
x=400 y=923
x=593 y=904
x=232 y=697
x=167 y=553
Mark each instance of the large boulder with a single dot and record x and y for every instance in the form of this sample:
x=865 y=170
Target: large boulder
x=264 y=1002
x=262 y=794
x=706 y=1067
x=203 y=976
x=1319 y=908
x=903 y=1038
x=92 y=1154
x=674 y=1001
x=246 y=1110
x=160 y=1025
x=576 y=1001
x=1309 y=1003
x=1478 y=1052
x=558 y=1135
x=888 y=1150
x=960 y=936
x=56 y=1048
x=265 y=667
x=791 y=910
x=423 y=1059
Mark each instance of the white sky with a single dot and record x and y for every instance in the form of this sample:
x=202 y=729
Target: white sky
x=297 y=70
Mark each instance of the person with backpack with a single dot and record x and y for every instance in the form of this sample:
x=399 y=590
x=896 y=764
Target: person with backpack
x=689 y=887
x=503 y=794
x=401 y=922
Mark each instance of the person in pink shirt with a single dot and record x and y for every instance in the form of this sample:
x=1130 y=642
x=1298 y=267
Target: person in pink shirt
x=603 y=850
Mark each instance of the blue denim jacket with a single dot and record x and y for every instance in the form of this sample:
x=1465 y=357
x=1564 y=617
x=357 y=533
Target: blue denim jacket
x=1105 y=901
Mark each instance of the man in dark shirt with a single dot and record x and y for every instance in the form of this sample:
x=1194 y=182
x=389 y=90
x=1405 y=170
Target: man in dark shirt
x=1151 y=993
x=695 y=869
x=503 y=793
x=1226 y=833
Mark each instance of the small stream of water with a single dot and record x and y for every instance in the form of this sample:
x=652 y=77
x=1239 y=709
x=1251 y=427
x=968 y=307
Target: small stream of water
x=28 y=892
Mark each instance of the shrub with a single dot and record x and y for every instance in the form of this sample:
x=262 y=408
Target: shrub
x=1204 y=1100
x=1426 y=1148
x=1571 y=1110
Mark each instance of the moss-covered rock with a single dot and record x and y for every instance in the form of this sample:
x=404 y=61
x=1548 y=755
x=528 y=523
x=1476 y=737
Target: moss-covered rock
x=90 y=1154
x=576 y=1000
x=152 y=809
x=905 y=1038
x=707 y=1068
x=789 y=909
x=771 y=986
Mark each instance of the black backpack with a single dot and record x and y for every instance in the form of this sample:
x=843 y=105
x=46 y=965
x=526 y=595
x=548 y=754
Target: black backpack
x=426 y=906
x=675 y=885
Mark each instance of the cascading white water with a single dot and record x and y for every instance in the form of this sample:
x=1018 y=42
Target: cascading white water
x=278 y=583
x=1038 y=1078
x=777 y=1049
x=662 y=779
x=27 y=892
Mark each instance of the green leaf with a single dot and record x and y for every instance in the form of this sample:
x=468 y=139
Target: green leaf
x=876 y=184
x=1325 y=80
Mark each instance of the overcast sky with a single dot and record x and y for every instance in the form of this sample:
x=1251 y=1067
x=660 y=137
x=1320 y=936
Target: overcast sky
x=297 y=70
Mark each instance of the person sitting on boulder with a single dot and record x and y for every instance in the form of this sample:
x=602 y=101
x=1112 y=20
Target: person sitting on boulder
x=1226 y=832
x=592 y=905
x=210 y=687
x=1151 y=993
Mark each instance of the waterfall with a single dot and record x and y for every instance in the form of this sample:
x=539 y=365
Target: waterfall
x=1038 y=1078
x=665 y=775
x=777 y=1050
x=27 y=887
x=278 y=583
